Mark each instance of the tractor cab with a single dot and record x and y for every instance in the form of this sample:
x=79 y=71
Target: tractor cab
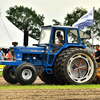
x=69 y=37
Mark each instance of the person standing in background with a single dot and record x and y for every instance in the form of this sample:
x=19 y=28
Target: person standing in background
x=97 y=53
x=8 y=56
x=2 y=55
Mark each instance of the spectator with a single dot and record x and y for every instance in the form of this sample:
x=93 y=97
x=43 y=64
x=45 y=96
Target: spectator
x=1 y=54
x=8 y=55
x=97 y=53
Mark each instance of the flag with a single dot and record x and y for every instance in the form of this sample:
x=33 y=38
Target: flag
x=85 y=20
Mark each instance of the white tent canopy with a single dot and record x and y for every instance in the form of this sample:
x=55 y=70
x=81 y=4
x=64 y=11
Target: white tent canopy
x=10 y=33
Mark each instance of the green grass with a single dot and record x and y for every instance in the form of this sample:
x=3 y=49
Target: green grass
x=0 y=73
x=91 y=86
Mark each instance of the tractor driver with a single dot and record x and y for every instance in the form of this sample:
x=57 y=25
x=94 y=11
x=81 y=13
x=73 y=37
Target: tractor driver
x=60 y=38
x=97 y=53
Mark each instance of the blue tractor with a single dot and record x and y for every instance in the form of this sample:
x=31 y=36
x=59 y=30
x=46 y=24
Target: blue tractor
x=67 y=63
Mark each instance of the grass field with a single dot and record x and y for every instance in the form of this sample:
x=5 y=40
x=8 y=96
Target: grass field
x=90 y=86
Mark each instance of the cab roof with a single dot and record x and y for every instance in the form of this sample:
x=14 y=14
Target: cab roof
x=83 y=35
x=47 y=26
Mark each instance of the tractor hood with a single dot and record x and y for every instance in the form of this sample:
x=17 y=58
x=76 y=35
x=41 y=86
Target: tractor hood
x=18 y=52
x=30 y=50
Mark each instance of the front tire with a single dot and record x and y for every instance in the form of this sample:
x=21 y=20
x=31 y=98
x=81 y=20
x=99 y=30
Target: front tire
x=26 y=73
x=9 y=75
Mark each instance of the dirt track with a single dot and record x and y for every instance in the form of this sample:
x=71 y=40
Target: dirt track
x=44 y=94
x=37 y=82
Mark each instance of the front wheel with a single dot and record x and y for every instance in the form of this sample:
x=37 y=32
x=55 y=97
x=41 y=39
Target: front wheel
x=9 y=75
x=26 y=73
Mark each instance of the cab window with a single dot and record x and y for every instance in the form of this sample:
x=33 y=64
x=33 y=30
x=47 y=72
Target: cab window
x=55 y=38
x=72 y=36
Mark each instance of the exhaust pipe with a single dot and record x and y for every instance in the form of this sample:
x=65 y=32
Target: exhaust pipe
x=26 y=37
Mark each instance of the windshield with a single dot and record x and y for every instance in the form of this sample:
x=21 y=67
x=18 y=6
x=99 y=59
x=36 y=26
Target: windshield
x=45 y=36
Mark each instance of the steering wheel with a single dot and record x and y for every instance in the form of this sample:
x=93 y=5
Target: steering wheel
x=54 y=48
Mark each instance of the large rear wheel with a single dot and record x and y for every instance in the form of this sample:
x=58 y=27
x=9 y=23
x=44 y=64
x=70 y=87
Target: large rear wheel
x=77 y=66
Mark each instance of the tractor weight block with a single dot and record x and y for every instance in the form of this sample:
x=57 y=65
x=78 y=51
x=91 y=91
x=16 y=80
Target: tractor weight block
x=39 y=70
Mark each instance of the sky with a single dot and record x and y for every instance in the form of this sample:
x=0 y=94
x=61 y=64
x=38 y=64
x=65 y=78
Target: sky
x=51 y=9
